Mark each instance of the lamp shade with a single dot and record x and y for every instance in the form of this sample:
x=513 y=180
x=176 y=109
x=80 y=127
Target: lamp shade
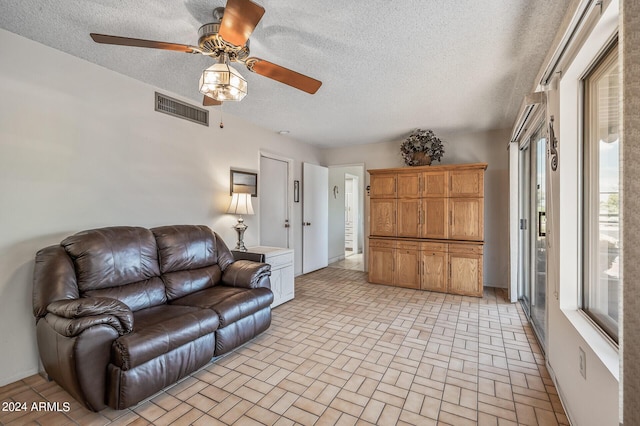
x=222 y=82
x=240 y=204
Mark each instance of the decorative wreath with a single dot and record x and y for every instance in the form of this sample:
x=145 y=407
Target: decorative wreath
x=421 y=147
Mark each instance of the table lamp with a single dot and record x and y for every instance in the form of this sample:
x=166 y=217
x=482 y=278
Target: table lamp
x=240 y=205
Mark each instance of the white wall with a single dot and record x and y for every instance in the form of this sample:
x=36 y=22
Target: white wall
x=592 y=400
x=460 y=147
x=82 y=147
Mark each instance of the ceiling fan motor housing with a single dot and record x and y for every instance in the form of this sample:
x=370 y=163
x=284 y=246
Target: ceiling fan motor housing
x=208 y=35
x=210 y=42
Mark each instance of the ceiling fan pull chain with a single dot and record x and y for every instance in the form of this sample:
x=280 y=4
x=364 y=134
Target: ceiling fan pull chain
x=221 y=123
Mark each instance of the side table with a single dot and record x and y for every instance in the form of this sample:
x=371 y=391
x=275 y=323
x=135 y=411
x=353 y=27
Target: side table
x=281 y=261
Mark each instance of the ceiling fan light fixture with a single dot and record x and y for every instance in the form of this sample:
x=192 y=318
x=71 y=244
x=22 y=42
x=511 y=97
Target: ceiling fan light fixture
x=227 y=38
x=222 y=82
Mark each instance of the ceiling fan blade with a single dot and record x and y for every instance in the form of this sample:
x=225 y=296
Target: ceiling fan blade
x=283 y=75
x=239 y=20
x=209 y=101
x=136 y=42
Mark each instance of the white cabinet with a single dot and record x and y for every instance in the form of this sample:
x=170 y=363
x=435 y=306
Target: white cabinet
x=282 y=279
x=348 y=236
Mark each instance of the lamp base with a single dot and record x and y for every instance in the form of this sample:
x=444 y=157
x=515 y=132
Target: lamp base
x=240 y=227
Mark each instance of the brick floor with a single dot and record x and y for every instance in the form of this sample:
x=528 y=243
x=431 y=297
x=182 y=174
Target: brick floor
x=345 y=352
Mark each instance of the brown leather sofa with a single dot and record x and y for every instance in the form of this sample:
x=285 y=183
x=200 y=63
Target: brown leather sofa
x=123 y=312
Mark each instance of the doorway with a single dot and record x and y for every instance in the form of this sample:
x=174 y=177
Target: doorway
x=346 y=216
x=532 y=275
x=351 y=211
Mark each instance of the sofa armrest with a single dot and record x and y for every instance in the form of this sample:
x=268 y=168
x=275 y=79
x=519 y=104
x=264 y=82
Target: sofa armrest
x=244 y=255
x=71 y=317
x=247 y=274
x=78 y=363
x=74 y=327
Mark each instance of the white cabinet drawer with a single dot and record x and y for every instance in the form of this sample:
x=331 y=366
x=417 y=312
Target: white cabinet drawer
x=279 y=260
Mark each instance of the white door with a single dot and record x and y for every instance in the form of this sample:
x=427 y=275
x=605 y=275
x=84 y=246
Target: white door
x=315 y=217
x=274 y=202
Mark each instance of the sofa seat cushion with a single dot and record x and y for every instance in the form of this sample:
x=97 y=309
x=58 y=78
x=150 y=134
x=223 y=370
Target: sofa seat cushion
x=230 y=303
x=159 y=330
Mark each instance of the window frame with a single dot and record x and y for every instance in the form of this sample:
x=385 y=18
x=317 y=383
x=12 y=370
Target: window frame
x=589 y=200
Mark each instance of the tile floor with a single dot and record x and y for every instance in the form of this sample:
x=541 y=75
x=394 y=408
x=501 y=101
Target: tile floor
x=348 y=352
x=351 y=261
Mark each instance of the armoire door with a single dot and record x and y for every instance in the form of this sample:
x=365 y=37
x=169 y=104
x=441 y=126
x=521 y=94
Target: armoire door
x=382 y=221
x=435 y=218
x=408 y=217
x=381 y=261
x=466 y=219
x=466 y=183
x=435 y=270
x=383 y=185
x=407 y=266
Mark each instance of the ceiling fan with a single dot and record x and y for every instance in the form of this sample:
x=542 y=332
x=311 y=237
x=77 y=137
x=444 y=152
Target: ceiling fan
x=227 y=40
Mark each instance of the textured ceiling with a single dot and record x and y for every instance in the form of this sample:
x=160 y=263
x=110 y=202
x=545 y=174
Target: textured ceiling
x=387 y=67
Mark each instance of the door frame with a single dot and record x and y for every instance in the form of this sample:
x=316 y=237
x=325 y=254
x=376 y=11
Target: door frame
x=289 y=161
x=363 y=206
x=524 y=236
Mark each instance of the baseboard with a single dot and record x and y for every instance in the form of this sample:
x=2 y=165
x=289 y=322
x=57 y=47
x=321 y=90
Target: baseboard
x=336 y=259
x=560 y=393
x=19 y=376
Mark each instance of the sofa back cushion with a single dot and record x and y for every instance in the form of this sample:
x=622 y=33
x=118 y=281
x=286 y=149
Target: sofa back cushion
x=188 y=258
x=181 y=283
x=108 y=258
x=184 y=247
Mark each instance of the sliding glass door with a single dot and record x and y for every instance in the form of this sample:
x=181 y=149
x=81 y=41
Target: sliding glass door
x=524 y=276
x=533 y=242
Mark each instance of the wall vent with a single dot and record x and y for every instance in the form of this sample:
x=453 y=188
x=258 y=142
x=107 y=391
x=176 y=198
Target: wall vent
x=180 y=109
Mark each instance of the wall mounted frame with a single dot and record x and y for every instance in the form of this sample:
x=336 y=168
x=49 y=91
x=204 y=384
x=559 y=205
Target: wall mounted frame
x=243 y=182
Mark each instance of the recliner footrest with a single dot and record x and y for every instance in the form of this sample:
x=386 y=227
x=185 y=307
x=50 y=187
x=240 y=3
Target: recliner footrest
x=153 y=340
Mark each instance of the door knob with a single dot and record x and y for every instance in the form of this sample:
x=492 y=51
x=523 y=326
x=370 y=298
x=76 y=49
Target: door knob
x=306 y=223
x=286 y=223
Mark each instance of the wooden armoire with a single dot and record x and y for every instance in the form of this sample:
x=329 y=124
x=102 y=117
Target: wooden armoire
x=426 y=227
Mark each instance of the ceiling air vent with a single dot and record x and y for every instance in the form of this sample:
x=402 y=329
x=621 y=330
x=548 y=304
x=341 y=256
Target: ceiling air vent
x=181 y=110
